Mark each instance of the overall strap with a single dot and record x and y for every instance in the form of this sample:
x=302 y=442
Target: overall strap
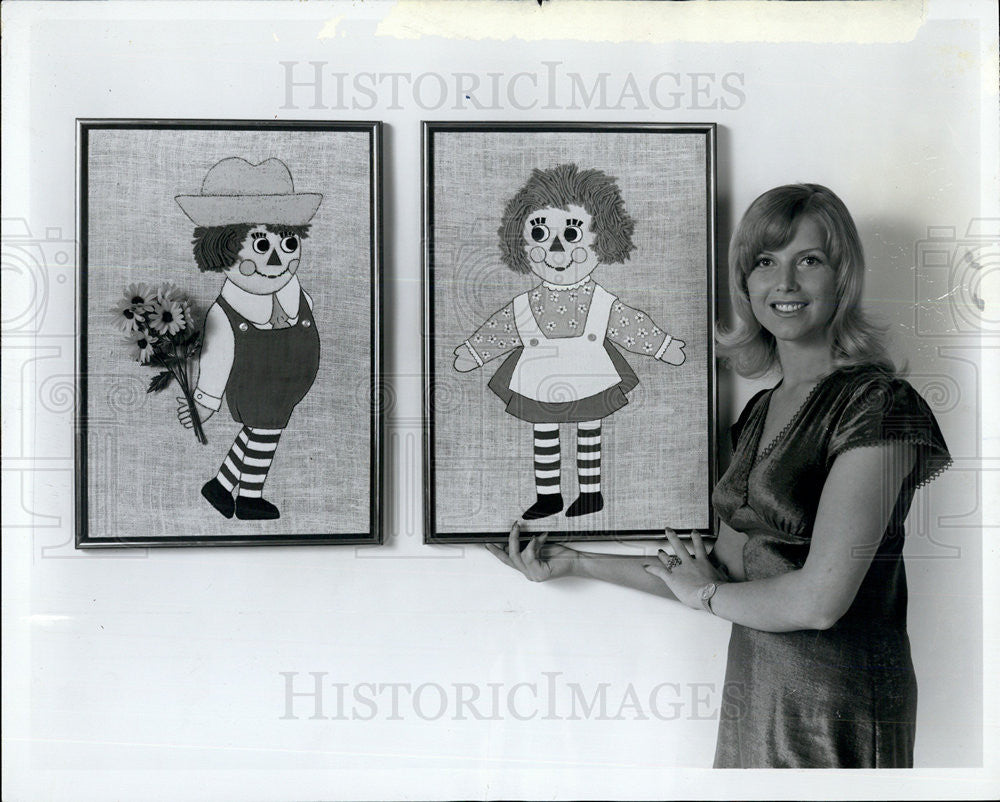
x=524 y=320
x=600 y=311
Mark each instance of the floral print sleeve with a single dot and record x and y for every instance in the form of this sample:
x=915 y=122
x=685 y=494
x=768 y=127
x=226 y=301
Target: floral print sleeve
x=635 y=331
x=496 y=337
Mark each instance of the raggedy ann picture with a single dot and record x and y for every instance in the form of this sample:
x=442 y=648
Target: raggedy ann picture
x=568 y=353
x=229 y=333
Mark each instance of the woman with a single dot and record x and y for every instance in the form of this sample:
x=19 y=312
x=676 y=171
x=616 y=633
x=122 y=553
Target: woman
x=808 y=563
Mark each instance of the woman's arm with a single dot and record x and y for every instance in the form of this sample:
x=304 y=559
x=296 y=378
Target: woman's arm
x=857 y=499
x=540 y=561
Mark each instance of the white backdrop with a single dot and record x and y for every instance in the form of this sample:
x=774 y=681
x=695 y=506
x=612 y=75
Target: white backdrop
x=165 y=674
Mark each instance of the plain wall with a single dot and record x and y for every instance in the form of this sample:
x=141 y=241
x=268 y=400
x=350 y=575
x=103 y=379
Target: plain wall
x=164 y=673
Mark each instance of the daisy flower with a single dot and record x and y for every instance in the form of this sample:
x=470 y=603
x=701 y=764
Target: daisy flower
x=167 y=316
x=642 y=332
x=630 y=341
x=127 y=318
x=572 y=323
x=140 y=296
x=169 y=292
x=550 y=325
x=613 y=332
x=561 y=310
x=141 y=346
x=647 y=347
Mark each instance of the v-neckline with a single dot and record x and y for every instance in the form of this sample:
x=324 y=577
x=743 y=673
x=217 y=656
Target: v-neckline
x=760 y=454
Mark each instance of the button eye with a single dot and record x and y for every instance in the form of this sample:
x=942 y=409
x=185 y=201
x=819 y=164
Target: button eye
x=289 y=244
x=573 y=234
x=539 y=233
x=261 y=245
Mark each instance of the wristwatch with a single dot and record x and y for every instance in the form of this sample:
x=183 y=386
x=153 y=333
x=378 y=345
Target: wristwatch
x=706 y=594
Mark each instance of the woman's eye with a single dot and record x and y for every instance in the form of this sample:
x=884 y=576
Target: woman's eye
x=289 y=244
x=812 y=261
x=572 y=234
x=762 y=261
x=261 y=245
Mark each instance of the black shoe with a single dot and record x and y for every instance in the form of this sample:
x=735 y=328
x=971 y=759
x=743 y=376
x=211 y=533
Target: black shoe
x=547 y=504
x=219 y=497
x=255 y=509
x=586 y=504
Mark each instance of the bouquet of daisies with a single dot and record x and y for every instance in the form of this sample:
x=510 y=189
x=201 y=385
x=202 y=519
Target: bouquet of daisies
x=159 y=322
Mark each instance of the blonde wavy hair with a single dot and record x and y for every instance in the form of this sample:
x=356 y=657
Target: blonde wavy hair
x=770 y=224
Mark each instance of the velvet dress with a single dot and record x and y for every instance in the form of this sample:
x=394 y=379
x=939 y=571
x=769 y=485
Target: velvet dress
x=844 y=697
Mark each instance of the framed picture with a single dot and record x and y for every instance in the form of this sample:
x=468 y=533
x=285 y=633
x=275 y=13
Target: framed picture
x=229 y=333
x=568 y=349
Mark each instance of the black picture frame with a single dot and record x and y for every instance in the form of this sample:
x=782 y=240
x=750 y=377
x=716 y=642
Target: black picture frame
x=432 y=134
x=373 y=534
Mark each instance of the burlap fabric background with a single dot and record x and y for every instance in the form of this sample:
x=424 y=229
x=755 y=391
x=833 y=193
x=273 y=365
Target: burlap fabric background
x=144 y=470
x=655 y=450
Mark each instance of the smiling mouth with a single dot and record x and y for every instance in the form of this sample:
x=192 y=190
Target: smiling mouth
x=555 y=267
x=788 y=307
x=268 y=275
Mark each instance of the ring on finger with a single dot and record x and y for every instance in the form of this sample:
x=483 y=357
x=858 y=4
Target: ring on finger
x=671 y=562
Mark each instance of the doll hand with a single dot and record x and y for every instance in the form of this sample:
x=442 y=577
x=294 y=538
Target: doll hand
x=674 y=352
x=184 y=413
x=555 y=561
x=683 y=572
x=463 y=360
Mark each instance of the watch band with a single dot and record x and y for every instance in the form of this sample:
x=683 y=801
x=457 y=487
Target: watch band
x=706 y=595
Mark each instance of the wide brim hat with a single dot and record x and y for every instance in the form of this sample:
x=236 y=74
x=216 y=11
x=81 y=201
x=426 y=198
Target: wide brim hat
x=236 y=191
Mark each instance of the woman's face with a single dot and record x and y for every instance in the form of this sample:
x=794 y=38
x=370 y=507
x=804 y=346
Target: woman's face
x=559 y=244
x=793 y=290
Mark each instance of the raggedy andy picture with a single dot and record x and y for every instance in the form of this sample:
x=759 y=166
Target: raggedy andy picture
x=569 y=295
x=229 y=337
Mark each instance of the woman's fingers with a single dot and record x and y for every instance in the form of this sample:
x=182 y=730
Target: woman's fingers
x=699 y=545
x=675 y=543
x=657 y=570
x=514 y=548
x=500 y=554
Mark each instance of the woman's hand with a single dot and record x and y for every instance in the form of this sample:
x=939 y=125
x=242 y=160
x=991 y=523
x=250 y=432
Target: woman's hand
x=686 y=578
x=553 y=562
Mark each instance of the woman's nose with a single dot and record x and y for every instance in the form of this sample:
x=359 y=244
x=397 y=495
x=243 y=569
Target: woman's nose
x=788 y=278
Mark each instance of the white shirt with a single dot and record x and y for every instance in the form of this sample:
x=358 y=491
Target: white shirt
x=219 y=345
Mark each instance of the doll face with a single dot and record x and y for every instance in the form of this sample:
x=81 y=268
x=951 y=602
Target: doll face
x=266 y=262
x=559 y=244
x=793 y=289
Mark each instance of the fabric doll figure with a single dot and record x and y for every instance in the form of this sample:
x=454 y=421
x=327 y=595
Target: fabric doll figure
x=261 y=347
x=561 y=337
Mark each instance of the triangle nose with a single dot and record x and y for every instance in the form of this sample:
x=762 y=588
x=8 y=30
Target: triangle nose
x=274 y=260
x=557 y=245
